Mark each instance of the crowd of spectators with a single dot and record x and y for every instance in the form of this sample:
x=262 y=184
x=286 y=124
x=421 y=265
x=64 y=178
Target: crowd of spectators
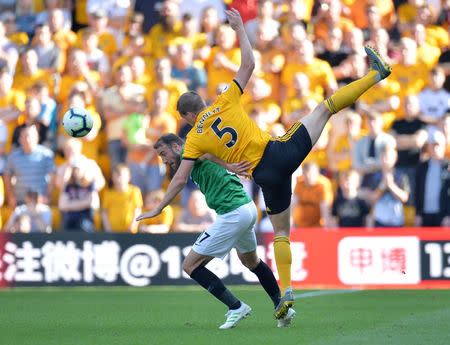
x=384 y=162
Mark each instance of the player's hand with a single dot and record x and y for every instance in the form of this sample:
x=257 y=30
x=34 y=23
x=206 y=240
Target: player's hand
x=240 y=168
x=234 y=18
x=149 y=214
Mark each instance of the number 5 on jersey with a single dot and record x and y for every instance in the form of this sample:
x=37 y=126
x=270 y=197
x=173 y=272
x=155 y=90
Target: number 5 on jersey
x=221 y=132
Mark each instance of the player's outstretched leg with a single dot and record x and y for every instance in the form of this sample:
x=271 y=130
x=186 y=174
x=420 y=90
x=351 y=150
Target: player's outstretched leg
x=348 y=95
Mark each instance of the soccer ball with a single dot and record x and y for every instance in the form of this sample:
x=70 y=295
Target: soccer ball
x=77 y=122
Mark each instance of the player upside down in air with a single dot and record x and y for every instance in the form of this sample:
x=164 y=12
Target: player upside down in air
x=233 y=228
x=227 y=133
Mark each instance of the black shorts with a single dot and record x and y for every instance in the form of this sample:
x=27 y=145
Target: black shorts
x=282 y=156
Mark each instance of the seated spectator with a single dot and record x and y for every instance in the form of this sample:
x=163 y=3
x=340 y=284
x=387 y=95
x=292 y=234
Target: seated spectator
x=77 y=199
x=8 y=52
x=209 y=22
x=272 y=59
x=77 y=70
x=19 y=39
x=119 y=101
x=333 y=50
x=184 y=69
x=391 y=191
x=164 y=80
x=50 y=58
x=196 y=217
x=139 y=151
x=139 y=70
x=96 y=59
x=29 y=73
x=312 y=198
x=189 y=34
x=39 y=215
x=342 y=145
x=63 y=37
x=292 y=106
x=98 y=21
x=72 y=153
x=367 y=153
x=50 y=5
x=411 y=135
x=25 y=17
x=434 y=100
x=433 y=186
x=321 y=77
x=12 y=103
x=261 y=108
x=224 y=59
x=264 y=17
x=135 y=28
x=122 y=203
x=352 y=68
x=348 y=208
x=31 y=166
x=160 y=224
x=30 y=117
x=48 y=114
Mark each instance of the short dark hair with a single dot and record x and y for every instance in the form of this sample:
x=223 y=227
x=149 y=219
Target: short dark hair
x=168 y=139
x=190 y=102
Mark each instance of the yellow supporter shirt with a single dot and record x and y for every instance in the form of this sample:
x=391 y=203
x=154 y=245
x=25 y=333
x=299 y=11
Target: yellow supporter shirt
x=65 y=39
x=159 y=39
x=277 y=58
x=25 y=82
x=149 y=64
x=428 y=54
x=120 y=207
x=13 y=99
x=19 y=38
x=67 y=82
x=322 y=28
x=437 y=36
x=217 y=75
x=307 y=212
x=294 y=103
x=106 y=42
x=175 y=88
x=226 y=131
x=343 y=145
x=379 y=93
x=196 y=41
x=406 y=13
x=166 y=217
x=319 y=73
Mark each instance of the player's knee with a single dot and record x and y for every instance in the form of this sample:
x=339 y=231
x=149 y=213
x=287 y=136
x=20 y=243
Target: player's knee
x=250 y=261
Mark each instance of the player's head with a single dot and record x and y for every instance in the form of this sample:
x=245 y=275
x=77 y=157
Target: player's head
x=189 y=105
x=169 y=147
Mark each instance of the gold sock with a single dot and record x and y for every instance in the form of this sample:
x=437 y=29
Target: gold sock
x=283 y=259
x=348 y=95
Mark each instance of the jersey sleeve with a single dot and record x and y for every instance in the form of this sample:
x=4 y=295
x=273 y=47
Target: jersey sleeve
x=192 y=148
x=232 y=92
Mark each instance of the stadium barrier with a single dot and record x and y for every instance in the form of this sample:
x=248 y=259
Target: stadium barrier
x=321 y=258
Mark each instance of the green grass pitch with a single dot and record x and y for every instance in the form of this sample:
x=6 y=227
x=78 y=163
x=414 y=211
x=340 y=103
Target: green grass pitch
x=189 y=315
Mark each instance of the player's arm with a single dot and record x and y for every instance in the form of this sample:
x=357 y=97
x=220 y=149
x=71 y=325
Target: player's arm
x=240 y=168
x=247 y=59
x=176 y=185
